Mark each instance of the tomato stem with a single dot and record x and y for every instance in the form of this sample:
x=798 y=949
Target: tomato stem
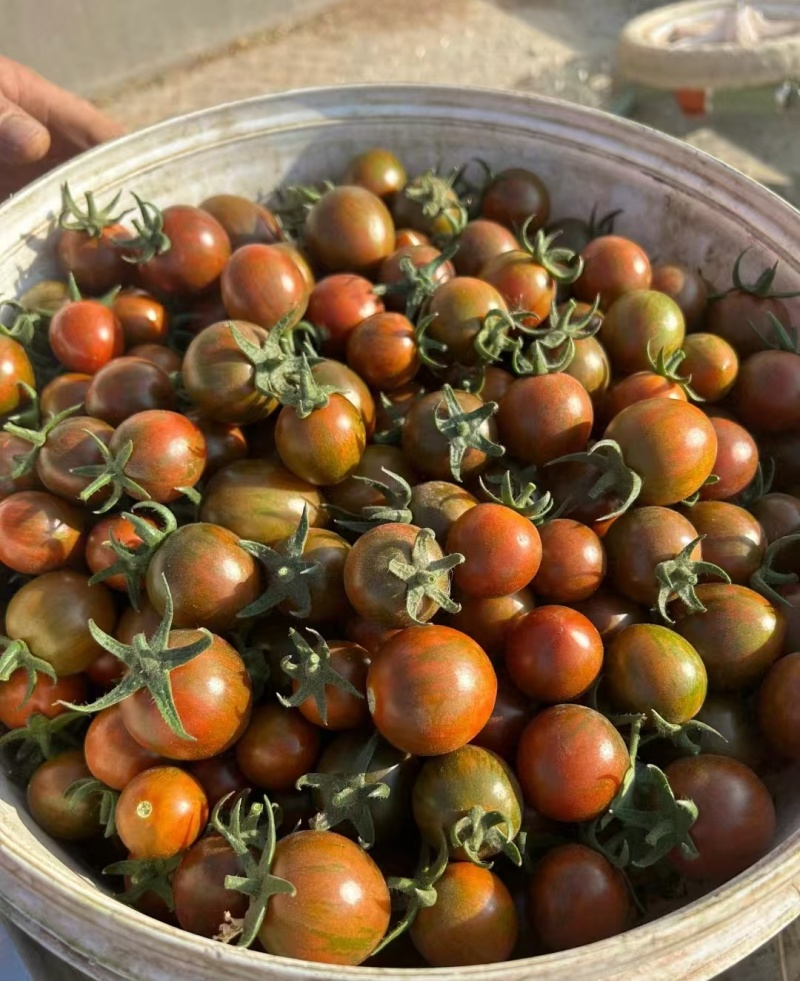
x=310 y=667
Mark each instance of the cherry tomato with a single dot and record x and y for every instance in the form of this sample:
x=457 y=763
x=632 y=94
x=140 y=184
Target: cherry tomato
x=69 y=445
x=430 y=690
x=12 y=448
x=324 y=447
x=420 y=255
x=711 y=363
x=474 y=920
x=459 y=307
x=15 y=367
x=513 y=196
x=353 y=494
x=573 y=562
x=199 y=249
x=245 y=221
x=778 y=515
x=126 y=386
x=60 y=816
x=161 y=812
x=436 y=504
x=577 y=897
x=383 y=350
x=779 y=706
x=159 y=354
x=225 y=443
x=481 y=241
x=63 y=392
x=344 y=710
x=337 y=305
x=261 y=284
x=95 y=261
x=736 y=461
x=40 y=533
x=735 y=826
x=767 y=392
x=732 y=718
x=488 y=620
x=219 y=777
x=590 y=366
x=639 y=322
x=733 y=538
x=112 y=754
x=278 y=747
x=739 y=317
x=636 y=388
x=553 y=654
x=571 y=762
x=143 y=319
x=610 y=612
x=429 y=449
x=99 y=553
x=198 y=885
x=685 y=286
x=378 y=170
x=511 y=713
x=349 y=230
x=613 y=266
x=16 y=710
x=351 y=386
x=368 y=634
x=85 y=335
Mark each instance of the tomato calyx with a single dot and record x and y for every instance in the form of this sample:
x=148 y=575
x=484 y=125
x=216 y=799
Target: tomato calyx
x=276 y=362
x=347 y=796
x=294 y=203
x=685 y=736
x=146 y=875
x=419 y=283
x=288 y=574
x=310 y=668
x=90 y=219
x=391 y=435
x=484 y=831
x=418 y=892
x=650 y=821
x=561 y=265
x=462 y=429
x=692 y=499
x=25 y=462
x=524 y=498
x=424 y=573
x=394 y=510
x=761 y=286
x=767 y=577
x=133 y=562
x=668 y=366
x=783 y=338
x=436 y=196
x=149 y=663
x=759 y=486
x=150 y=240
x=615 y=478
x=87 y=788
x=110 y=472
x=593 y=228
x=552 y=347
x=678 y=576
x=257 y=882
x=42 y=739
x=17 y=656
x=22 y=328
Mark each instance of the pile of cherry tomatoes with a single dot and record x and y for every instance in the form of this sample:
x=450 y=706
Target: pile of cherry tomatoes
x=400 y=575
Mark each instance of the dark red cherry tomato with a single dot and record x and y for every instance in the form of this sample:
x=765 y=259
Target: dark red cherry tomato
x=686 y=287
x=553 y=654
x=611 y=612
x=436 y=504
x=779 y=706
x=16 y=710
x=64 y=392
x=511 y=713
x=767 y=392
x=202 y=902
x=143 y=319
x=488 y=620
x=161 y=812
x=573 y=562
x=351 y=386
x=225 y=443
x=15 y=367
x=481 y=241
x=219 y=777
x=735 y=464
x=639 y=323
x=733 y=719
x=344 y=710
x=199 y=249
x=70 y=444
x=245 y=221
x=126 y=386
x=735 y=826
x=262 y=284
x=778 y=514
x=513 y=196
x=430 y=690
x=85 y=335
x=95 y=261
x=12 y=449
x=577 y=897
x=278 y=747
x=324 y=447
x=354 y=494
x=39 y=532
x=459 y=307
x=571 y=762
x=390 y=272
x=734 y=540
x=112 y=754
x=60 y=816
x=383 y=350
x=613 y=266
x=167 y=359
x=337 y=305
x=378 y=170
x=739 y=317
x=349 y=230
x=501 y=548
x=99 y=553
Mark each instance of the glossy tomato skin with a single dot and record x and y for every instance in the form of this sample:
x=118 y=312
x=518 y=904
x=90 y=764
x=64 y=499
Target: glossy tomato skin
x=481 y=241
x=437 y=504
x=613 y=266
x=543 y=417
x=159 y=354
x=651 y=668
x=126 y=386
x=513 y=196
x=735 y=464
x=278 y=747
x=577 y=897
x=501 y=548
x=778 y=514
x=95 y=261
x=735 y=826
x=85 y=335
x=638 y=542
x=636 y=388
x=244 y=221
x=40 y=533
x=685 y=286
x=670 y=444
x=99 y=553
x=262 y=284
x=489 y=620
x=474 y=920
x=423 y=443
x=524 y=285
x=767 y=392
x=344 y=710
x=738 y=637
x=11 y=449
x=637 y=320
x=143 y=319
x=198 y=885
x=63 y=392
x=553 y=654
x=327 y=594
x=112 y=755
x=199 y=249
x=378 y=170
x=573 y=562
x=337 y=305
x=67 y=447
x=169 y=452
x=734 y=540
x=65 y=819
x=261 y=501
x=213 y=697
x=352 y=386
x=324 y=447
x=779 y=706
x=51 y=613
x=447 y=692
x=735 y=315
x=610 y=612
x=15 y=367
x=571 y=762
x=161 y=812
x=449 y=786
x=372 y=588
x=590 y=366
x=349 y=230
x=367 y=633
x=383 y=350
x=459 y=307
x=15 y=710
x=225 y=443
x=390 y=272
x=341 y=907
x=511 y=713
x=210 y=577
x=712 y=364
x=219 y=777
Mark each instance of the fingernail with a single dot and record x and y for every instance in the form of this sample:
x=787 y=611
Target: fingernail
x=22 y=139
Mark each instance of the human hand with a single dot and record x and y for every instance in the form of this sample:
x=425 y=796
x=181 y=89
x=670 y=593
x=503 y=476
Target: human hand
x=42 y=125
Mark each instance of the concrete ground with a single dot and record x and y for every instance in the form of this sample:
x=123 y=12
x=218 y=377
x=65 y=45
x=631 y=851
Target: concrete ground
x=562 y=49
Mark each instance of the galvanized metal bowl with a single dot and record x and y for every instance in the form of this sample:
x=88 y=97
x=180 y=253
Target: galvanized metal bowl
x=678 y=202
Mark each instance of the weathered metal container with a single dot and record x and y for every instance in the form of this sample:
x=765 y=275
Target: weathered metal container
x=680 y=203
